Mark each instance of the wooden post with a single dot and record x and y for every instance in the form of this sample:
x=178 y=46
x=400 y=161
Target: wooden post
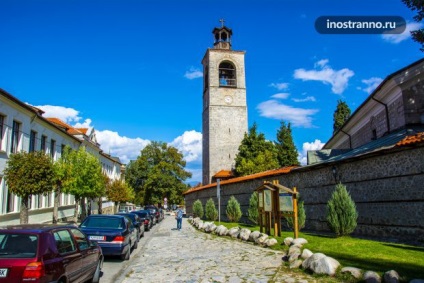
x=296 y=224
x=276 y=208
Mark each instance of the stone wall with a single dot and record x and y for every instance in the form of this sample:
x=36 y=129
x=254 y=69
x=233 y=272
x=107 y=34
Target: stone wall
x=388 y=189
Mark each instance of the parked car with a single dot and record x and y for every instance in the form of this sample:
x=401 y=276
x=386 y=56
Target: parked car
x=148 y=218
x=137 y=222
x=155 y=211
x=48 y=253
x=115 y=234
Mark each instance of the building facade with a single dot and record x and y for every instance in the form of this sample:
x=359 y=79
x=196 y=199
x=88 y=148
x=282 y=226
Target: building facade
x=224 y=104
x=23 y=128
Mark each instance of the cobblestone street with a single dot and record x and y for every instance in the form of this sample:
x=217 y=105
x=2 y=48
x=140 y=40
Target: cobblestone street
x=192 y=256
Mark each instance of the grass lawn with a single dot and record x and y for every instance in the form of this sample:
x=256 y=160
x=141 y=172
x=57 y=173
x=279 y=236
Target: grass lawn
x=380 y=257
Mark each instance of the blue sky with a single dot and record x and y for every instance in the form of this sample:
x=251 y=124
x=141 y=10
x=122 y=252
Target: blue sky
x=131 y=69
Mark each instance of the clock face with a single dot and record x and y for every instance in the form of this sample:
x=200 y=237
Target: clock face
x=228 y=99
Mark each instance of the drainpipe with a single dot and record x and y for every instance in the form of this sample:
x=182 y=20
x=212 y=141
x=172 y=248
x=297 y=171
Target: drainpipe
x=350 y=138
x=387 y=113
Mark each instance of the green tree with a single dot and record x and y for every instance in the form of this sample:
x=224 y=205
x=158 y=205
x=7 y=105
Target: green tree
x=417 y=5
x=341 y=212
x=87 y=179
x=341 y=114
x=157 y=173
x=119 y=191
x=28 y=174
x=210 y=210
x=198 y=209
x=252 y=212
x=63 y=176
x=233 y=210
x=256 y=154
x=301 y=217
x=287 y=151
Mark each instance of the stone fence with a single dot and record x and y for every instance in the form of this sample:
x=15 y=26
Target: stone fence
x=387 y=187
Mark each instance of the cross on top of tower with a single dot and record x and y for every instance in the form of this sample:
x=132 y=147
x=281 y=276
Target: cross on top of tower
x=222 y=22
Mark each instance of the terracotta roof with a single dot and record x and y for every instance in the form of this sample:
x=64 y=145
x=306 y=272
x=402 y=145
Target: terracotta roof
x=223 y=174
x=408 y=140
x=83 y=130
x=68 y=128
x=268 y=173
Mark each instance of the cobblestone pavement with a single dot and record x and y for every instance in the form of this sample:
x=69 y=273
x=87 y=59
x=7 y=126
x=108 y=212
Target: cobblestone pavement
x=193 y=256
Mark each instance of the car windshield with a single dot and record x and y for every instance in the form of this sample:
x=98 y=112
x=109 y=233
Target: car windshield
x=18 y=245
x=103 y=222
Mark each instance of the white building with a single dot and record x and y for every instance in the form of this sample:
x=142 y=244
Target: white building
x=23 y=128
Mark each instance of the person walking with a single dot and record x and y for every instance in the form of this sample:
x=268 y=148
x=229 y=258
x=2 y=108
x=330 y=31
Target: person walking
x=179 y=217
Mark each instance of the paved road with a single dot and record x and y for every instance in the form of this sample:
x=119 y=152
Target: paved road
x=189 y=255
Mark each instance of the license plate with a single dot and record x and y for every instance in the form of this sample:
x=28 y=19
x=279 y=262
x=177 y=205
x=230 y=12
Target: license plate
x=3 y=272
x=97 y=238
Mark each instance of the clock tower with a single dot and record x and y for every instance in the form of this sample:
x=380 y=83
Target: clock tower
x=224 y=104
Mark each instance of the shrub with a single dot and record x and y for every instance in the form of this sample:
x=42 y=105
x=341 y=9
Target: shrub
x=210 y=211
x=198 y=209
x=301 y=217
x=233 y=210
x=341 y=212
x=252 y=212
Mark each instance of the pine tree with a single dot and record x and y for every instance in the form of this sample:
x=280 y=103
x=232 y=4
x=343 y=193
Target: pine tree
x=341 y=212
x=415 y=5
x=341 y=114
x=252 y=212
x=198 y=209
x=233 y=210
x=256 y=154
x=287 y=152
x=210 y=210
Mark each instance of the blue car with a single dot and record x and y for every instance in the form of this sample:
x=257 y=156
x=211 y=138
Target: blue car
x=115 y=234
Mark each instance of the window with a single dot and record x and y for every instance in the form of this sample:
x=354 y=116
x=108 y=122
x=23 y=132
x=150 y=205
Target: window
x=40 y=200
x=81 y=239
x=64 y=241
x=52 y=148
x=2 y=118
x=227 y=74
x=62 y=149
x=43 y=143
x=15 y=136
x=10 y=202
x=32 y=141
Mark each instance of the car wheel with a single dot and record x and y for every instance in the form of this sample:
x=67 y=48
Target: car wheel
x=96 y=275
x=135 y=245
x=126 y=256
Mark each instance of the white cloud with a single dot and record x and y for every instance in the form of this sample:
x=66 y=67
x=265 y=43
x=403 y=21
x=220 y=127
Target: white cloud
x=338 y=79
x=190 y=144
x=321 y=63
x=282 y=95
x=85 y=124
x=125 y=148
x=397 y=38
x=308 y=98
x=193 y=73
x=280 y=86
x=316 y=145
x=372 y=84
x=298 y=117
x=65 y=114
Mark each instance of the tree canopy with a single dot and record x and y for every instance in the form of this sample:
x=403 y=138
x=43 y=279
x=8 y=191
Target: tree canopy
x=29 y=174
x=256 y=154
x=119 y=191
x=158 y=172
x=287 y=151
x=341 y=114
x=417 y=5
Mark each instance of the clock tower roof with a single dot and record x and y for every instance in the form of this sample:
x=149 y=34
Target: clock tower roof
x=222 y=37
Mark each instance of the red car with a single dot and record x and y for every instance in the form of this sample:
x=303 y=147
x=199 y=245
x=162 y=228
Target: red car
x=40 y=253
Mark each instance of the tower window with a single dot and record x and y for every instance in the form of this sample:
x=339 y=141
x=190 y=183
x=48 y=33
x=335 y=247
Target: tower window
x=227 y=74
